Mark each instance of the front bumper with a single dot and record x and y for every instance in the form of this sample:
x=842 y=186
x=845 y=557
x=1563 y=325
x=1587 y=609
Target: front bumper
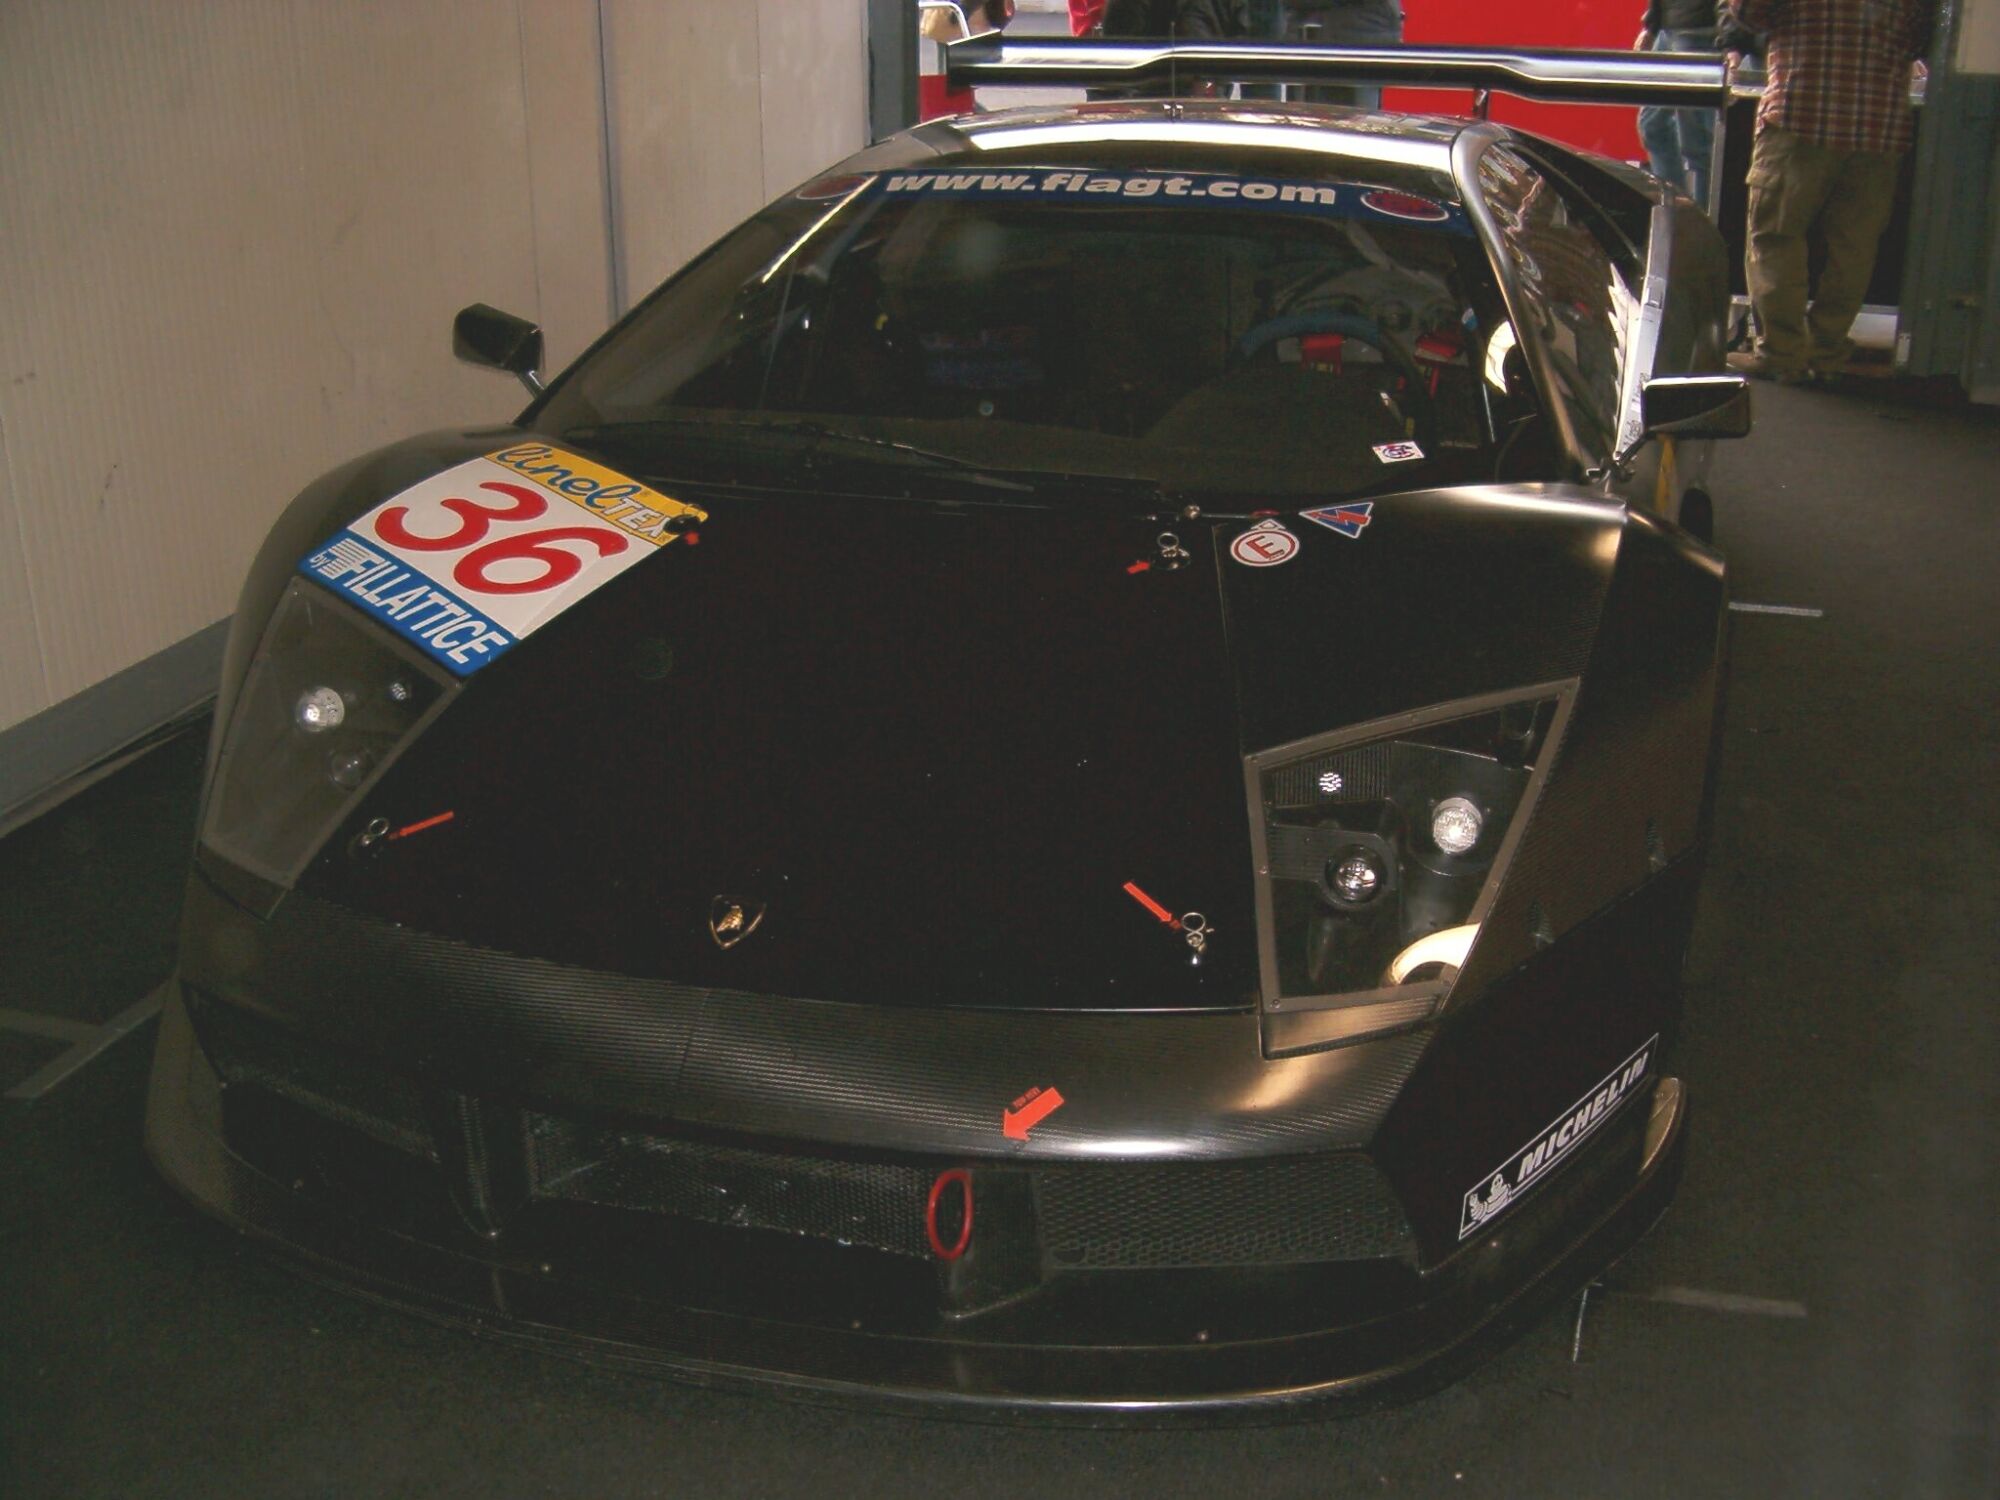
x=727 y=1306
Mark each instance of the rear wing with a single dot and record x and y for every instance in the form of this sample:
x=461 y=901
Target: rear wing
x=1688 y=79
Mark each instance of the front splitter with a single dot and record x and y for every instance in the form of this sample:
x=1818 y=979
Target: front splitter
x=1486 y=1295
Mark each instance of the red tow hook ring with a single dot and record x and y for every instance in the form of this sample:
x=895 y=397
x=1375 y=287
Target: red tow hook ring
x=945 y=1179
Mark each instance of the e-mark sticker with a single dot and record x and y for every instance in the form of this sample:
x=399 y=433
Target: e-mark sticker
x=1397 y=453
x=1265 y=545
x=1405 y=206
x=1348 y=520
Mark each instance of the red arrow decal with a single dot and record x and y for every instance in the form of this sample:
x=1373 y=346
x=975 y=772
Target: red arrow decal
x=1029 y=1111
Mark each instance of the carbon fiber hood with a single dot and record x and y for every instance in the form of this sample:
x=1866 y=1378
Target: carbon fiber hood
x=933 y=742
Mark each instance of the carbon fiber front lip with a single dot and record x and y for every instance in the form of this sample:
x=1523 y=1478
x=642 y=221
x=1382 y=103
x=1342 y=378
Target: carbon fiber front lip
x=1484 y=1297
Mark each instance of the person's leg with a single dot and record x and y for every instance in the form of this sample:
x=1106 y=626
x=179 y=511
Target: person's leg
x=1660 y=134
x=1697 y=132
x=1694 y=128
x=1265 y=20
x=1378 y=23
x=1788 y=181
x=1851 y=221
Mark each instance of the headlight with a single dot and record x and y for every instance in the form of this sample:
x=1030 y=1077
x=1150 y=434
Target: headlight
x=325 y=706
x=1379 y=849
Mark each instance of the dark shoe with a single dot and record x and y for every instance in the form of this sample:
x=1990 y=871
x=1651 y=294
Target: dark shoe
x=1758 y=367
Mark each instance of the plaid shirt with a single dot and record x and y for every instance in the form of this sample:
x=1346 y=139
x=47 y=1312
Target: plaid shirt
x=1838 y=71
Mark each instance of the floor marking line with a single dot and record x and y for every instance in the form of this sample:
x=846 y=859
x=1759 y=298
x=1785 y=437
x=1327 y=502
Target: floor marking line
x=1777 y=609
x=103 y=1037
x=55 y=1027
x=1730 y=1302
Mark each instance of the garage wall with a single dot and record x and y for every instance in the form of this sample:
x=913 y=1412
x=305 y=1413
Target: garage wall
x=233 y=235
x=770 y=92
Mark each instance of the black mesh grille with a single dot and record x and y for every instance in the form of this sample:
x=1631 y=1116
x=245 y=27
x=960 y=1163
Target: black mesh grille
x=1284 y=1211
x=381 y=1105
x=1090 y=1216
x=863 y=1203
x=1357 y=774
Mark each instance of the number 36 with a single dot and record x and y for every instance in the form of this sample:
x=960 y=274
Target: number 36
x=476 y=519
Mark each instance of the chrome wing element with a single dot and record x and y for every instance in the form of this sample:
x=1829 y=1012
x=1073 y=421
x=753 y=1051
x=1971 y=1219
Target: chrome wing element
x=1574 y=76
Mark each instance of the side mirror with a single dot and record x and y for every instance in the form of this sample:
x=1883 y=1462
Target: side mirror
x=482 y=335
x=1695 y=406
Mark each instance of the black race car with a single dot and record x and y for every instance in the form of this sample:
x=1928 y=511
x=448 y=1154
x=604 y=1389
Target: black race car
x=1070 y=773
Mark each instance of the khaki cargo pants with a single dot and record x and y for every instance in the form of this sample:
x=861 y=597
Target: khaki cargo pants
x=1799 y=188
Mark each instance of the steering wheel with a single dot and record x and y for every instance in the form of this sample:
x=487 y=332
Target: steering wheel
x=1349 y=325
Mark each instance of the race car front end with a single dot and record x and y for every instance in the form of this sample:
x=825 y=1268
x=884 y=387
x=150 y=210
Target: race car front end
x=1039 y=1137
x=1036 y=788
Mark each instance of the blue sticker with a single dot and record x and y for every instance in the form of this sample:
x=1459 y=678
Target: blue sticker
x=408 y=601
x=1348 y=520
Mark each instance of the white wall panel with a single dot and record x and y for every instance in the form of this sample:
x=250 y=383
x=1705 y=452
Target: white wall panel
x=814 y=68
x=687 y=144
x=716 y=107
x=562 y=75
x=233 y=234
x=232 y=237
x=21 y=679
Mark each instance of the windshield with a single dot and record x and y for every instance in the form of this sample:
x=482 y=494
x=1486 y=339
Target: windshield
x=1197 y=330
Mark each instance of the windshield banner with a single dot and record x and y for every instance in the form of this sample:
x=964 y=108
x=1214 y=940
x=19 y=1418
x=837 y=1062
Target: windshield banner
x=1341 y=200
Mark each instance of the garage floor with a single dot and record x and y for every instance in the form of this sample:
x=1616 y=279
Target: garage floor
x=1818 y=1315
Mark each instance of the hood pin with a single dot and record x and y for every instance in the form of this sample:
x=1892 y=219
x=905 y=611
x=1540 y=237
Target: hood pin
x=1194 y=927
x=1191 y=925
x=1172 y=553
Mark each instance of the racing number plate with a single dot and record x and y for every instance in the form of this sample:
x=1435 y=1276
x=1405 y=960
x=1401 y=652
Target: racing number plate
x=473 y=559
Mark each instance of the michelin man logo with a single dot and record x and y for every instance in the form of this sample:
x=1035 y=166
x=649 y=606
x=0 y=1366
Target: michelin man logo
x=1498 y=1196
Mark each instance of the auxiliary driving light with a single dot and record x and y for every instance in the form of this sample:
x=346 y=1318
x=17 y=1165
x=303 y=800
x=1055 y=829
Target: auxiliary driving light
x=1455 y=825
x=349 y=767
x=1379 y=887
x=1356 y=876
x=320 y=709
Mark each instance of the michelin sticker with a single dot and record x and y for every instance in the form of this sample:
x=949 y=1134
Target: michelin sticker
x=1538 y=1158
x=473 y=559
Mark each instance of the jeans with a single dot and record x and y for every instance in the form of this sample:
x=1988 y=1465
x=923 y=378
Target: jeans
x=1366 y=23
x=1266 y=23
x=1678 y=141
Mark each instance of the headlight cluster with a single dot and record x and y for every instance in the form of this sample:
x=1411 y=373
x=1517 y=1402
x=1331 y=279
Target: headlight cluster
x=325 y=706
x=1379 y=849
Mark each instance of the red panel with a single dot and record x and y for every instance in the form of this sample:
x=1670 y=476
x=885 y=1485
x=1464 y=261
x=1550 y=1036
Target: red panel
x=1529 y=23
x=937 y=98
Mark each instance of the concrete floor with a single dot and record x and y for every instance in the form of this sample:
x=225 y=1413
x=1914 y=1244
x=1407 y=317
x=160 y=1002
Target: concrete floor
x=1818 y=1315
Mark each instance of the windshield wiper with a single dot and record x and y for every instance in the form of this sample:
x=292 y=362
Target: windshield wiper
x=819 y=433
